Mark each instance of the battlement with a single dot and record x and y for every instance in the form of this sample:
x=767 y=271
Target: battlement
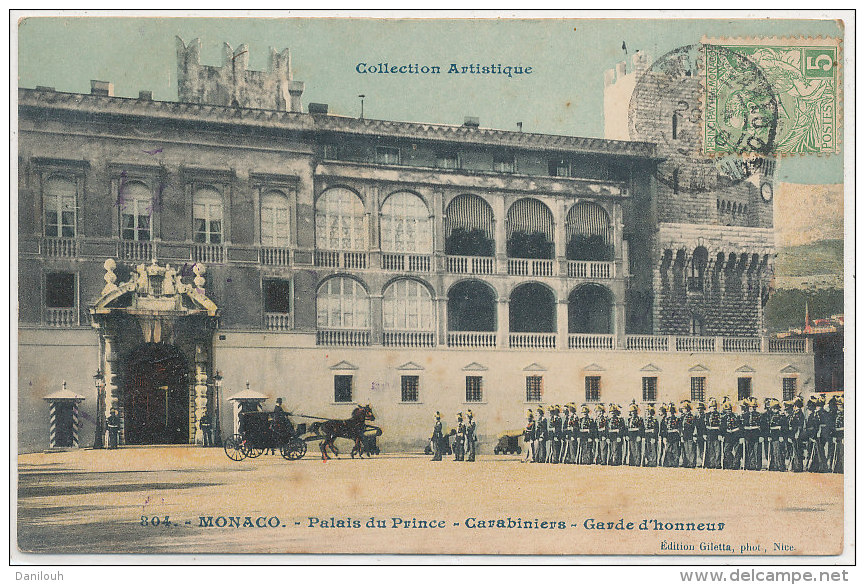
x=639 y=63
x=233 y=83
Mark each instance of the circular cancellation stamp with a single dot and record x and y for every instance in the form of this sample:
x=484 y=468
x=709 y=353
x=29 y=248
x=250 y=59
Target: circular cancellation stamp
x=698 y=94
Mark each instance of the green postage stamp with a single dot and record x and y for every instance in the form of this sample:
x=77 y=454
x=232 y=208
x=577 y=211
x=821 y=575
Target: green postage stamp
x=803 y=112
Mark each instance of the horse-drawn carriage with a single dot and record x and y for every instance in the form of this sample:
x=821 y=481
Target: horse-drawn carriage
x=274 y=431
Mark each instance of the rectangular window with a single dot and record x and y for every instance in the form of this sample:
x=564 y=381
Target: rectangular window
x=744 y=388
x=788 y=388
x=60 y=290
x=342 y=387
x=474 y=388
x=503 y=163
x=560 y=168
x=207 y=215
x=410 y=387
x=650 y=388
x=387 y=155
x=332 y=151
x=534 y=388
x=448 y=160
x=698 y=388
x=593 y=388
x=277 y=296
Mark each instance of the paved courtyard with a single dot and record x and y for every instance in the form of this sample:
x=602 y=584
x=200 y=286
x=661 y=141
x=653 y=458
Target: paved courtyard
x=118 y=501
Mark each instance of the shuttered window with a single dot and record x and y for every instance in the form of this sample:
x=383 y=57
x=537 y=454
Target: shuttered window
x=275 y=219
x=60 y=204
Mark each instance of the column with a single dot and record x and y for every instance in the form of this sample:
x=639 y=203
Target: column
x=442 y=319
x=501 y=235
x=503 y=323
x=560 y=213
x=376 y=319
x=619 y=323
x=112 y=392
x=562 y=323
x=201 y=360
x=438 y=223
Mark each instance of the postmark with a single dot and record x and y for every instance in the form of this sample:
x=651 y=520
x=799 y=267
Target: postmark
x=805 y=75
x=669 y=105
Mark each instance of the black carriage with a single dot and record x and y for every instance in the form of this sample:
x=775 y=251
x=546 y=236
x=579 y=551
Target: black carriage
x=266 y=431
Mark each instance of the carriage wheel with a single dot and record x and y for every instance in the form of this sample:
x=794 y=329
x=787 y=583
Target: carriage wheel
x=234 y=448
x=253 y=452
x=293 y=450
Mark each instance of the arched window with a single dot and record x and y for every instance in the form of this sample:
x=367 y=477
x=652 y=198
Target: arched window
x=339 y=221
x=136 y=208
x=590 y=309
x=530 y=230
x=274 y=219
x=471 y=307
x=589 y=233
x=469 y=227
x=408 y=306
x=532 y=309
x=342 y=304
x=699 y=261
x=207 y=215
x=59 y=201
x=405 y=225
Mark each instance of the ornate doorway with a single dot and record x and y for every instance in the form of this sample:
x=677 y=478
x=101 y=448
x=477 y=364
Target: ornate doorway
x=156 y=384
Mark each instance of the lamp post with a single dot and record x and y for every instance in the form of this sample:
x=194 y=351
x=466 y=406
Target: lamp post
x=217 y=386
x=99 y=381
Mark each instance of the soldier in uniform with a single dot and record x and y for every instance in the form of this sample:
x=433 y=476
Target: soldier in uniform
x=586 y=431
x=673 y=452
x=602 y=445
x=541 y=436
x=113 y=424
x=616 y=430
x=689 y=432
x=437 y=438
x=650 y=438
x=765 y=420
x=700 y=433
x=797 y=437
x=635 y=435
x=825 y=428
x=837 y=460
x=569 y=452
x=751 y=433
x=206 y=428
x=712 y=423
x=555 y=435
x=777 y=437
x=459 y=447
x=731 y=429
x=529 y=436
x=471 y=437
x=662 y=435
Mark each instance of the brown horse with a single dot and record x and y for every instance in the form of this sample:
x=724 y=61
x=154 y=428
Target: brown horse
x=352 y=428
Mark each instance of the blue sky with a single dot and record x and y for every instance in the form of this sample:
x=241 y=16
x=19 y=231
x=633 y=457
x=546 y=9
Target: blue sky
x=563 y=95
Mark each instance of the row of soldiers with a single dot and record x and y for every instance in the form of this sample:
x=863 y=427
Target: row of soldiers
x=788 y=439
x=465 y=438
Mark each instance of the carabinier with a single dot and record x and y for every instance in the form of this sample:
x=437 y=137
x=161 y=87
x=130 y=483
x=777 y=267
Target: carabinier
x=700 y=433
x=602 y=445
x=555 y=434
x=712 y=456
x=752 y=435
x=777 y=437
x=798 y=436
x=459 y=447
x=471 y=436
x=616 y=431
x=765 y=419
x=541 y=436
x=673 y=451
x=662 y=434
x=569 y=452
x=635 y=435
x=837 y=460
x=650 y=438
x=437 y=438
x=586 y=433
x=529 y=436
x=825 y=430
x=688 y=423
x=731 y=428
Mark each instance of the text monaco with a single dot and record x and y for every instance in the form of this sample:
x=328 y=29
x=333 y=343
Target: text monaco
x=471 y=69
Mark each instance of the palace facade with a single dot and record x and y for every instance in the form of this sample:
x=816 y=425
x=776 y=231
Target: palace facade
x=175 y=254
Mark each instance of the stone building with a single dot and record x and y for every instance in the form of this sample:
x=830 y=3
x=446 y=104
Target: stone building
x=173 y=253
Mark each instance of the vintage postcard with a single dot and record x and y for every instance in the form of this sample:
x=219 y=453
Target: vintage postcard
x=557 y=286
